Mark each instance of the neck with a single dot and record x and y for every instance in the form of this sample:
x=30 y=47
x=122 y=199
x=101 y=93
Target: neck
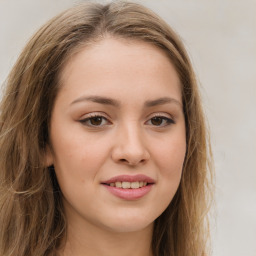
x=91 y=241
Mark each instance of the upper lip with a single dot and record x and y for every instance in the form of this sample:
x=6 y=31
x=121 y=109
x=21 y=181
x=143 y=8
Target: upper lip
x=129 y=178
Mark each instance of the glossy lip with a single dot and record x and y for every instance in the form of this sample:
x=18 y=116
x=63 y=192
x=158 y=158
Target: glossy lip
x=129 y=193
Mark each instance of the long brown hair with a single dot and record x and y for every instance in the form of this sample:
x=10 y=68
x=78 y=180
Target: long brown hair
x=31 y=212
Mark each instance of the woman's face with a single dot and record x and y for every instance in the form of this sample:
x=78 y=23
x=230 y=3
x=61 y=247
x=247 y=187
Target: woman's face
x=118 y=135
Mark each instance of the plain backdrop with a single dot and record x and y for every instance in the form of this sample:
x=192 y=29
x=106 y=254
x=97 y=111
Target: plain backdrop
x=220 y=37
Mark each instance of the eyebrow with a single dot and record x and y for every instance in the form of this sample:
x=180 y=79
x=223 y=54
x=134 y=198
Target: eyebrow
x=98 y=99
x=161 y=101
x=115 y=103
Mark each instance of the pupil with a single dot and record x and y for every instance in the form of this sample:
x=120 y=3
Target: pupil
x=157 y=120
x=96 y=120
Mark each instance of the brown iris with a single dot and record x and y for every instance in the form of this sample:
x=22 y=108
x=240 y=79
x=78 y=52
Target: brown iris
x=97 y=120
x=157 y=121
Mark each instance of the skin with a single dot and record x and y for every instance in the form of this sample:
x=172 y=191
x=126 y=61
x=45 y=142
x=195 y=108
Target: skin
x=127 y=139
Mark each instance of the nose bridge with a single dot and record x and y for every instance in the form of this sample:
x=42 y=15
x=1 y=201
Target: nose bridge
x=133 y=136
x=130 y=146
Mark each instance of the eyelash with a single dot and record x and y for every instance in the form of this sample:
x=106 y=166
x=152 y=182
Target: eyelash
x=168 y=121
x=88 y=120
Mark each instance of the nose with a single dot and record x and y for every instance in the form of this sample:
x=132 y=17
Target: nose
x=130 y=146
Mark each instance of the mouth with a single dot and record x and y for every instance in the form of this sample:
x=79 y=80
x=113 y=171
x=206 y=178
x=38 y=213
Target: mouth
x=129 y=181
x=129 y=187
x=127 y=184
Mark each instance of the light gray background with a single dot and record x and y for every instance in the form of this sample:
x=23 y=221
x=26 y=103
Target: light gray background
x=221 y=39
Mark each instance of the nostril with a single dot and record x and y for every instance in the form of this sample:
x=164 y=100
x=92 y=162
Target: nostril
x=131 y=163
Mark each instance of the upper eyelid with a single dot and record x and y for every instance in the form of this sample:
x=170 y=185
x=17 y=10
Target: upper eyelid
x=94 y=114
x=160 y=114
x=168 y=119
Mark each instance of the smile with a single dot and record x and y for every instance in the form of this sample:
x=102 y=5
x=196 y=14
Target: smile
x=127 y=184
x=129 y=187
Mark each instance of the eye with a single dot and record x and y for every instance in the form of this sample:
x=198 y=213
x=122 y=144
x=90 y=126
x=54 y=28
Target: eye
x=95 y=121
x=160 y=121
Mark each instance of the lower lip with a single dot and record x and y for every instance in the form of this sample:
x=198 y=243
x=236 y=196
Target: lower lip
x=129 y=193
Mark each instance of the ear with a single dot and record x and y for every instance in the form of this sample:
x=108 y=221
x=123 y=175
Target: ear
x=48 y=156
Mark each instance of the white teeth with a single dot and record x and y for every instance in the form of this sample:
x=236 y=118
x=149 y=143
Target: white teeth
x=135 y=184
x=127 y=184
x=118 y=184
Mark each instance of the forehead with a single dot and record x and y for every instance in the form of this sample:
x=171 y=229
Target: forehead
x=118 y=64
x=113 y=49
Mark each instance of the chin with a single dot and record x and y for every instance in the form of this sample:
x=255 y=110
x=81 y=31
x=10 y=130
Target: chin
x=129 y=223
x=130 y=228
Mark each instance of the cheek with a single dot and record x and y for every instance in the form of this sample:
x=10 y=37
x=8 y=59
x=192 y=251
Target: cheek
x=173 y=157
x=77 y=156
x=169 y=157
x=170 y=154
x=77 y=163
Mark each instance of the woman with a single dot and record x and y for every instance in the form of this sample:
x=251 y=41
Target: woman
x=103 y=146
